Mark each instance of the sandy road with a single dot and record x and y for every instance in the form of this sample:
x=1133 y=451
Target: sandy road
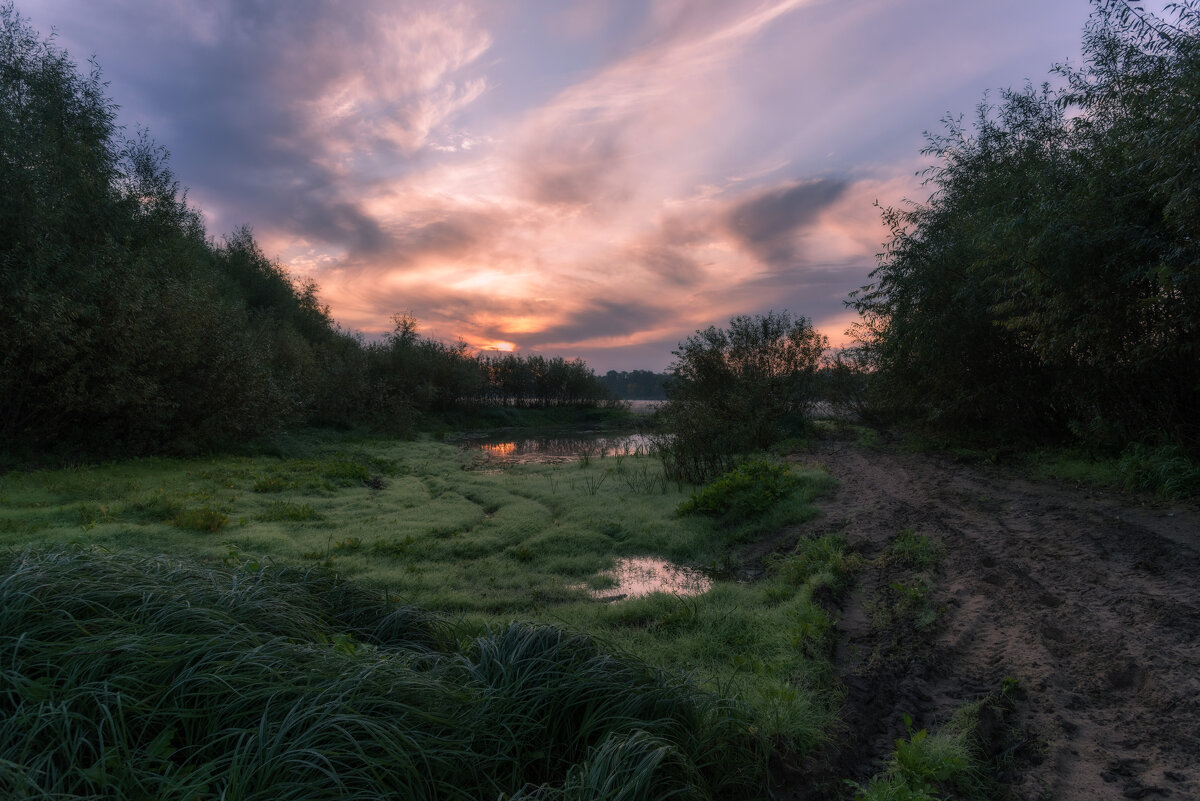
x=1091 y=600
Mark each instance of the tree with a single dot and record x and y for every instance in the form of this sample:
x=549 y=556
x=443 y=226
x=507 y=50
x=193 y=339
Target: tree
x=738 y=389
x=122 y=328
x=1050 y=285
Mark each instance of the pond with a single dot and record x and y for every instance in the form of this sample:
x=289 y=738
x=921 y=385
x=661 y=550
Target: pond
x=496 y=451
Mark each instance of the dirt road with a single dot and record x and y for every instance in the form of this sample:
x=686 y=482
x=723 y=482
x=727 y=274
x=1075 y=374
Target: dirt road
x=1090 y=600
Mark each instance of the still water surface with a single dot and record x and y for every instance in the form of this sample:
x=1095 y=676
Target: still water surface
x=559 y=448
x=644 y=575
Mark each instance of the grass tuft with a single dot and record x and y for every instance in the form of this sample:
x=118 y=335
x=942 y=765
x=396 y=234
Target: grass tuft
x=129 y=677
x=203 y=519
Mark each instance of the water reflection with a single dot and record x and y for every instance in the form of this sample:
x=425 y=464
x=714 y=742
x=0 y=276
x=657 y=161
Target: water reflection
x=644 y=575
x=556 y=449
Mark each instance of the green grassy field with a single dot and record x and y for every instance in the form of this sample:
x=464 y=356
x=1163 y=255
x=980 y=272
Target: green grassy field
x=427 y=525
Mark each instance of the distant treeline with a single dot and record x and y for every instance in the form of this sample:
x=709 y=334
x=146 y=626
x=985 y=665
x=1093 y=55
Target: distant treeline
x=1049 y=288
x=125 y=329
x=637 y=384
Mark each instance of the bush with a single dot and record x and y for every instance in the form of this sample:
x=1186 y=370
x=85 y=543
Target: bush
x=737 y=390
x=747 y=491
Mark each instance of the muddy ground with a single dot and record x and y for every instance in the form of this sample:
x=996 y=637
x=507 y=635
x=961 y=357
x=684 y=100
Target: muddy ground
x=1086 y=601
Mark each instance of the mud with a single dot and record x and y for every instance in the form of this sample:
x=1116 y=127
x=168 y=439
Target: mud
x=1086 y=601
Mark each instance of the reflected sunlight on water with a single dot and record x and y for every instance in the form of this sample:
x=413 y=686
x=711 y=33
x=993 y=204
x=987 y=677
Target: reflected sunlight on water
x=499 y=449
x=644 y=575
x=557 y=449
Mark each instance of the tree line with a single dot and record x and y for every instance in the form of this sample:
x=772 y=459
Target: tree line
x=1049 y=288
x=124 y=328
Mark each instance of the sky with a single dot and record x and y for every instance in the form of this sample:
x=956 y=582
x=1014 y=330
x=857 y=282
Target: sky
x=591 y=178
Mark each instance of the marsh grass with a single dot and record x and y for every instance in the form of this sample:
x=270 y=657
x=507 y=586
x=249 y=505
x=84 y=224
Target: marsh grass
x=525 y=542
x=128 y=677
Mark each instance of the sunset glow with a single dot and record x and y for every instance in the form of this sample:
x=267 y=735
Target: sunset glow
x=584 y=179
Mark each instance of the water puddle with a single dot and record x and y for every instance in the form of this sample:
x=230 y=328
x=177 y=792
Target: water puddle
x=644 y=575
x=502 y=451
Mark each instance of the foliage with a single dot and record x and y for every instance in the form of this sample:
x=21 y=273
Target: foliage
x=737 y=390
x=1048 y=287
x=917 y=551
x=948 y=763
x=756 y=498
x=1166 y=470
x=746 y=491
x=125 y=329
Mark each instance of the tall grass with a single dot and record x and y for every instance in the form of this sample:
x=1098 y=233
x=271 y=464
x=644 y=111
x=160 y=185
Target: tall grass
x=129 y=677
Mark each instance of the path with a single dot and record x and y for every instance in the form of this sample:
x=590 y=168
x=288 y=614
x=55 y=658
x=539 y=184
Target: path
x=1090 y=599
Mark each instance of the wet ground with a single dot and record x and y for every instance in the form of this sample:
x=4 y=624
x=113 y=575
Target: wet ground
x=1087 y=601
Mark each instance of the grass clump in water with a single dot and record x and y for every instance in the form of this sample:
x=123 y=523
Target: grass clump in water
x=132 y=677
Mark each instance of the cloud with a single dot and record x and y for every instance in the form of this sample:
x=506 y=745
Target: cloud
x=770 y=222
x=674 y=265
x=574 y=170
x=388 y=149
x=280 y=114
x=599 y=319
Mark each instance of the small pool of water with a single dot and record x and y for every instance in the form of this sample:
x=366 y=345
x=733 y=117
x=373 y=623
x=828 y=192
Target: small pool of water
x=497 y=451
x=644 y=575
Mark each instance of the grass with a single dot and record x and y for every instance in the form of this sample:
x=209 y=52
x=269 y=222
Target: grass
x=1164 y=471
x=917 y=551
x=906 y=603
x=127 y=677
x=949 y=762
x=417 y=522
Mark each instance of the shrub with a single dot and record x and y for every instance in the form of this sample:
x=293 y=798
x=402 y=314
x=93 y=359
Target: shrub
x=749 y=490
x=737 y=390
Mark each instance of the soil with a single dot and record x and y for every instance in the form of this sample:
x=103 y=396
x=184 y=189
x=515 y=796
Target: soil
x=1086 y=602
